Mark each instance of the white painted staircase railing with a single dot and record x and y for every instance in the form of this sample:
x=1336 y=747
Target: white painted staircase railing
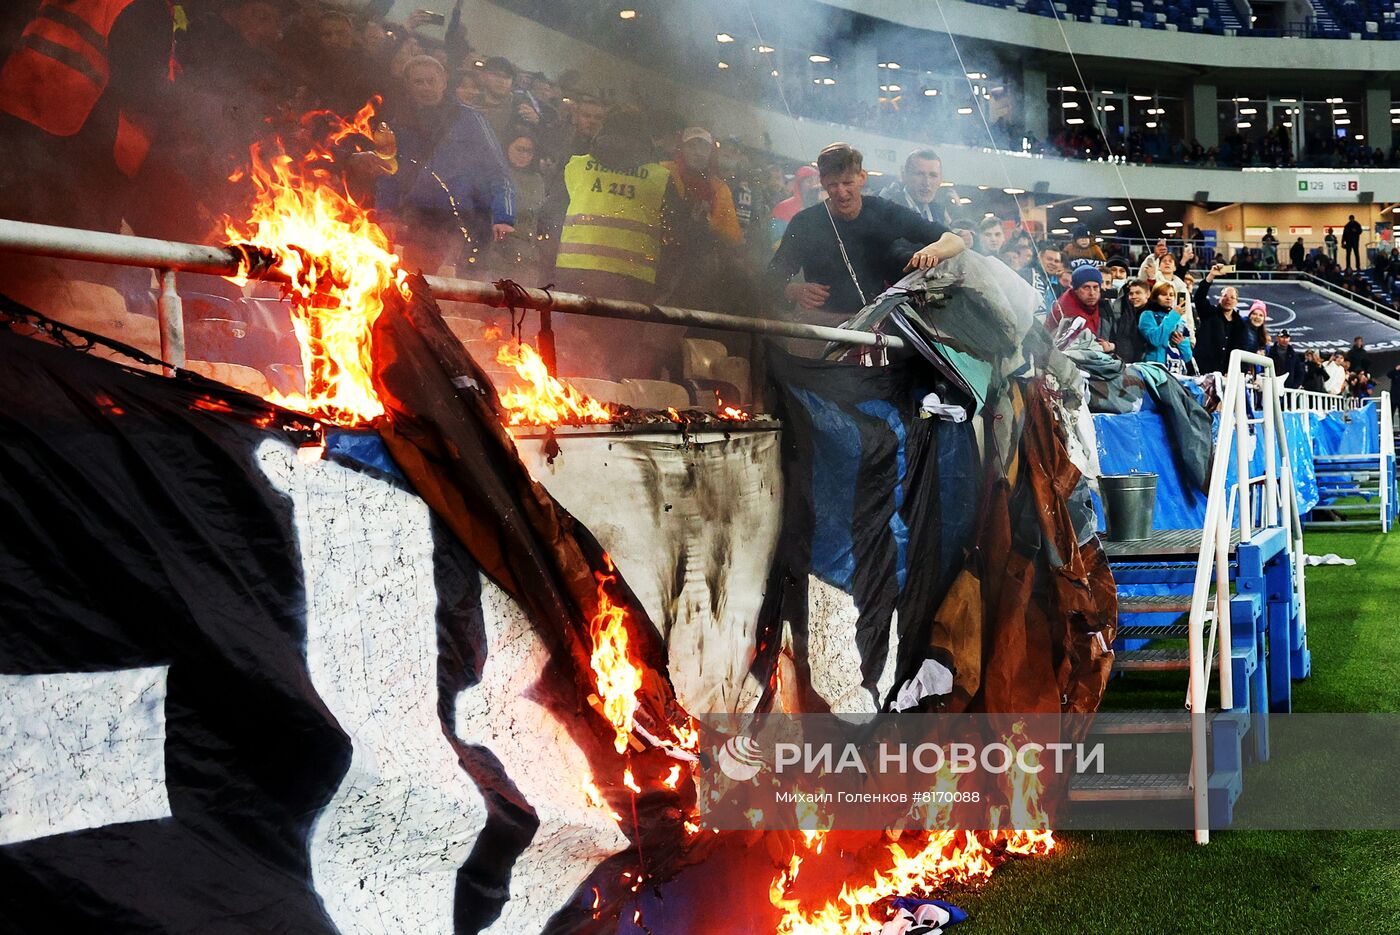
x=1273 y=506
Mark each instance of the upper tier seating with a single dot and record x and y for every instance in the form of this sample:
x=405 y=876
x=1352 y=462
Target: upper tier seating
x=1332 y=19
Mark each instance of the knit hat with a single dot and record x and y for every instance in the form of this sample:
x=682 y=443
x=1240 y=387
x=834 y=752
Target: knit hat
x=1258 y=304
x=1082 y=230
x=1085 y=274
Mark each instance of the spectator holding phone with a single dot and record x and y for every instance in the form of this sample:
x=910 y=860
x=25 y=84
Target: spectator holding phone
x=1217 y=322
x=1163 y=330
x=1161 y=267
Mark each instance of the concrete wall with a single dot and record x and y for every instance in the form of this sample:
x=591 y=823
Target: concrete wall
x=1245 y=222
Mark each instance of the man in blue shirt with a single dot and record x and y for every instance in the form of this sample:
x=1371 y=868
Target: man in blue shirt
x=452 y=193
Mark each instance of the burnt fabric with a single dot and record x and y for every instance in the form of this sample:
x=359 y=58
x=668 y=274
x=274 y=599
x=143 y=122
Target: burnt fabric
x=444 y=429
x=1029 y=621
x=256 y=691
x=877 y=505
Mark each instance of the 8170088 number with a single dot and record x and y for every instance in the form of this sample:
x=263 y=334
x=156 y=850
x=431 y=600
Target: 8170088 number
x=945 y=797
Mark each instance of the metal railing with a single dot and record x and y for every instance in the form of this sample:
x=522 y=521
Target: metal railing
x=1308 y=402
x=168 y=258
x=1275 y=507
x=1362 y=303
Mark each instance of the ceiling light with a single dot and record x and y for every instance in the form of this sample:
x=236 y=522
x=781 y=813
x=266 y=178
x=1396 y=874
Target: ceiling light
x=930 y=92
x=1013 y=191
x=764 y=49
x=828 y=81
x=893 y=66
x=1075 y=121
x=1342 y=122
x=1334 y=100
x=723 y=65
x=1109 y=230
x=1241 y=100
x=1122 y=222
x=893 y=87
x=818 y=59
x=1339 y=111
x=1118 y=207
x=1172 y=225
x=1060 y=230
x=964 y=111
x=1069 y=220
x=976 y=75
x=723 y=37
x=1069 y=105
x=989 y=214
x=1152 y=125
x=1244 y=126
x=1288 y=100
x=1069 y=87
x=1154 y=210
x=983 y=188
x=1108 y=108
x=1359 y=136
x=1248 y=110
x=945 y=184
x=1288 y=124
x=627 y=14
x=773 y=73
x=1084 y=207
x=1141 y=97
x=964 y=201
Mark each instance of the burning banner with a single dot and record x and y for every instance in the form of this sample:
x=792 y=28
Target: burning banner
x=421 y=640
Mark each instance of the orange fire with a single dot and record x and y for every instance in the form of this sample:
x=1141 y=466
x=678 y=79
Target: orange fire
x=338 y=265
x=542 y=399
x=618 y=677
x=730 y=413
x=920 y=864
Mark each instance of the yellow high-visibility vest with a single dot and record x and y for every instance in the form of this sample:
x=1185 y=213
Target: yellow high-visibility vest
x=613 y=223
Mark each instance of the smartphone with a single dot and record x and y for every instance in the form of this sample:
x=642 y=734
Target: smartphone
x=433 y=19
x=1227 y=269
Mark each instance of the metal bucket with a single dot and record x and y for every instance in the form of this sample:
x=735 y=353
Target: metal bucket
x=1128 y=502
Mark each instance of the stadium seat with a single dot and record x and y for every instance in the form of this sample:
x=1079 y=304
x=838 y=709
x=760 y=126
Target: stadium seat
x=235 y=375
x=605 y=391
x=466 y=329
x=698 y=357
x=482 y=351
x=657 y=394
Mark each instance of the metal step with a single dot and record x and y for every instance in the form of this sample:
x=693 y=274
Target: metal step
x=1141 y=722
x=1167 y=631
x=1152 y=660
x=1154 y=603
x=1348 y=507
x=1342 y=523
x=1129 y=787
x=1165 y=544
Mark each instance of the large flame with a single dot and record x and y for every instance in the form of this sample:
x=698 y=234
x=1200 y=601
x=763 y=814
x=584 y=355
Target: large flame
x=618 y=677
x=920 y=864
x=337 y=262
x=541 y=399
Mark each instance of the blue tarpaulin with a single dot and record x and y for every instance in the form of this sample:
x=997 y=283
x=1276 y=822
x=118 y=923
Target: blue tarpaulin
x=1138 y=442
x=1353 y=432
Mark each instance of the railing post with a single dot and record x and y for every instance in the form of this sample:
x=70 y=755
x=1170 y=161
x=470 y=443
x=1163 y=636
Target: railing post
x=1242 y=461
x=172 y=321
x=1271 y=442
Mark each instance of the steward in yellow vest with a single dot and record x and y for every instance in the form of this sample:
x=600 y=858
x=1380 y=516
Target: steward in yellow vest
x=613 y=222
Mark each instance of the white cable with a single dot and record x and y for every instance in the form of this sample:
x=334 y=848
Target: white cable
x=1094 y=112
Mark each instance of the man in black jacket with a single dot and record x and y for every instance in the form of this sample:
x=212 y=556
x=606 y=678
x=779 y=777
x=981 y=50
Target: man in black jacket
x=1215 y=324
x=1351 y=241
x=1288 y=363
x=1357 y=356
x=1297 y=254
